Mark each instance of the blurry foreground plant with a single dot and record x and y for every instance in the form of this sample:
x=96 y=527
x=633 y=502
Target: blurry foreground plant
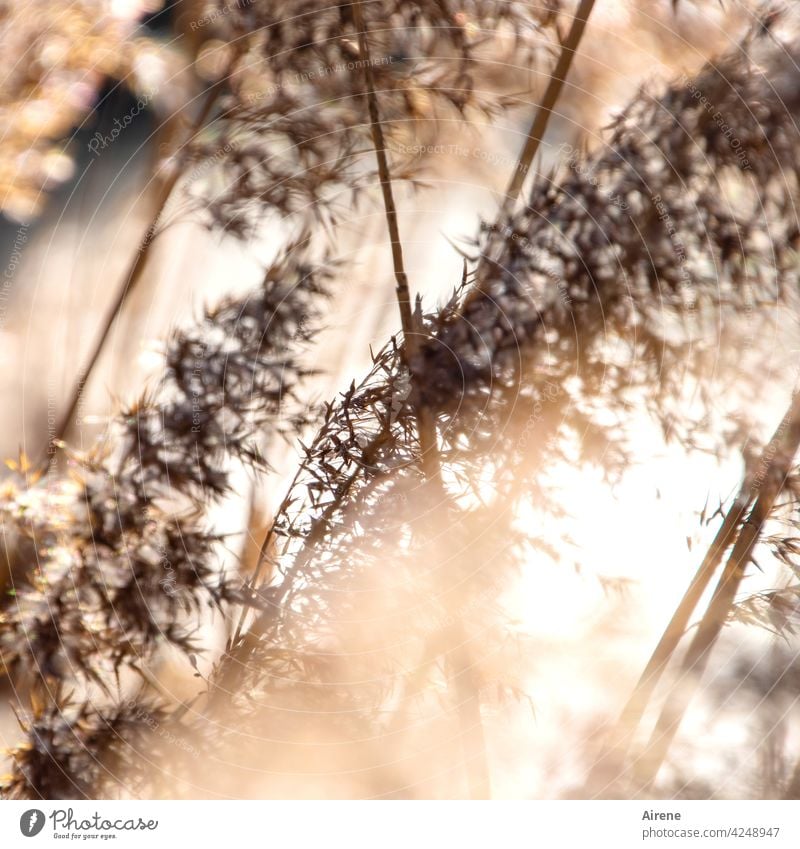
x=377 y=590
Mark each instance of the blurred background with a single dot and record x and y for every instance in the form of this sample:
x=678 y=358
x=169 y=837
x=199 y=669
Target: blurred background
x=75 y=201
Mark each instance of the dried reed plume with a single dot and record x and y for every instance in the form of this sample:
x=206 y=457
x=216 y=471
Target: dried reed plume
x=608 y=290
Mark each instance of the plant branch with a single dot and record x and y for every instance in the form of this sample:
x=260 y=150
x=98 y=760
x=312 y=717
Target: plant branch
x=132 y=276
x=459 y=662
x=776 y=462
x=379 y=145
x=553 y=91
x=411 y=322
x=628 y=722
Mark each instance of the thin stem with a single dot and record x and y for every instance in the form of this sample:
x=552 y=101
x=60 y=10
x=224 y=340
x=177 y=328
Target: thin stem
x=132 y=277
x=457 y=655
x=411 y=323
x=634 y=709
x=536 y=132
x=776 y=461
x=379 y=145
x=553 y=91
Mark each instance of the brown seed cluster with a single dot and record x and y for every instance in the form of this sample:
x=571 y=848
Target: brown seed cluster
x=123 y=569
x=597 y=296
x=292 y=135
